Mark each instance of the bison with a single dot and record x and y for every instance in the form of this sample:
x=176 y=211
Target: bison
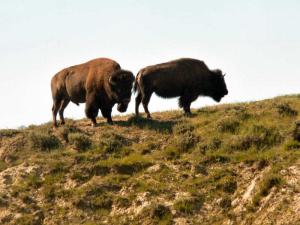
x=100 y=83
x=185 y=77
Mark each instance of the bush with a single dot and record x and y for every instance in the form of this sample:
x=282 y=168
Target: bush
x=80 y=141
x=186 y=141
x=286 y=110
x=43 y=141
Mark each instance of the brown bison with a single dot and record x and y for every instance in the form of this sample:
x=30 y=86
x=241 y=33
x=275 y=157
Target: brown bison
x=187 y=78
x=101 y=83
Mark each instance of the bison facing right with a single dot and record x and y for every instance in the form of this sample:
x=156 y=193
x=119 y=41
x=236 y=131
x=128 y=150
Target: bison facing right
x=185 y=77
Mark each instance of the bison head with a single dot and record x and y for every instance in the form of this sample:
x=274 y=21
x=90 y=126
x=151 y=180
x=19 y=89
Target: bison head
x=121 y=85
x=219 y=89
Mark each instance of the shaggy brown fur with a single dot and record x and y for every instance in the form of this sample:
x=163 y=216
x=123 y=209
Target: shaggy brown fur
x=187 y=78
x=100 y=83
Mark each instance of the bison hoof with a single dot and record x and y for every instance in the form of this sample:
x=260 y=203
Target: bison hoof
x=94 y=125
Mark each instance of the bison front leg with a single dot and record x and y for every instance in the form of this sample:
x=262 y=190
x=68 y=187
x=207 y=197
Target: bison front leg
x=91 y=112
x=185 y=103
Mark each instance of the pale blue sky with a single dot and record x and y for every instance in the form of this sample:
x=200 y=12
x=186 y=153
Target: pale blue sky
x=257 y=43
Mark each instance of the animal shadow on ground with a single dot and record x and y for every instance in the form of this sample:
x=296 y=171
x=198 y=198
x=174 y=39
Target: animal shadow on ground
x=143 y=123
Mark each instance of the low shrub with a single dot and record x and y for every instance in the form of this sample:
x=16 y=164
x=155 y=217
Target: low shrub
x=112 y=142
x=228 y=124
x=43 y=141
x=80 y=141
x=186 y=141
x=285 y=109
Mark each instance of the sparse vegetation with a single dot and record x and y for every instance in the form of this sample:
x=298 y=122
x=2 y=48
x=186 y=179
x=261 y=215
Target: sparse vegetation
x=225 y=163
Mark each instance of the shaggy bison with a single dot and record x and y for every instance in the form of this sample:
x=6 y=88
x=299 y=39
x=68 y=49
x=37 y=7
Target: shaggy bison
x=101 y=83
x=187 y=78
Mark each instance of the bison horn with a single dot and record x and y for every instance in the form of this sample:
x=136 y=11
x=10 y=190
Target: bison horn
x=224 y=75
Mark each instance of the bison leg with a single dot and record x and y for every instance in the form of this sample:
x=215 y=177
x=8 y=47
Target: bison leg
x=138 y=100
x=91 y=112
x=64 y=104
x=55 y=108
x=145 y=101
x=185 y=103
x=106 y=113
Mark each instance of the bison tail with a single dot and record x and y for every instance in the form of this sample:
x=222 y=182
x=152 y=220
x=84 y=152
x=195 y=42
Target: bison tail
x=136 y=84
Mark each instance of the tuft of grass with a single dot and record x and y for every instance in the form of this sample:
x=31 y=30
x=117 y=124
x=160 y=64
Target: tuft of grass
x=43 y=141
x=80 y=141
x=292 y=145
x=189 y=205
x=227 y=184
x=270 y=180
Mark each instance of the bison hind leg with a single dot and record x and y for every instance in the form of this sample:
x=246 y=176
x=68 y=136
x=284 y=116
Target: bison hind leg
x=55 y=108
x=63 y=105
x=145 y=101
x=138 y=101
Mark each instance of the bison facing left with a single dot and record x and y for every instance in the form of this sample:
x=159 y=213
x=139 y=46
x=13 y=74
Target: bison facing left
x=100 y=83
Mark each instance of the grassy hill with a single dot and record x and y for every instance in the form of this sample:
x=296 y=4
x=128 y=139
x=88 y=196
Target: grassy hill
x=228 y=164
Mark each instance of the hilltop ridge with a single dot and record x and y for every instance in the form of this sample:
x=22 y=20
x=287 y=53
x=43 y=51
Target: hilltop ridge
x=226 y=164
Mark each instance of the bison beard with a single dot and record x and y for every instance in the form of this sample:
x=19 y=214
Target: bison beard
x=186 y=78
x=100 y=83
